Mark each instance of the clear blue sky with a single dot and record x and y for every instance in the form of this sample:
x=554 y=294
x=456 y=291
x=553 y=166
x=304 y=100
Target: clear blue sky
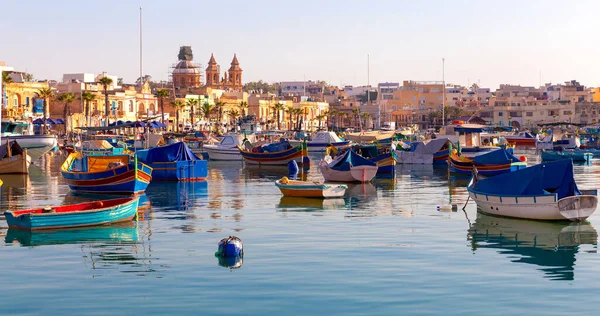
x=492 y=42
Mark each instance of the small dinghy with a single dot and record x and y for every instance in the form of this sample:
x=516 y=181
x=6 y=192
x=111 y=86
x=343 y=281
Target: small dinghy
x=74 y=215
x=543 y=192
x=231 y=246
x=296 y=188
x=577 y=156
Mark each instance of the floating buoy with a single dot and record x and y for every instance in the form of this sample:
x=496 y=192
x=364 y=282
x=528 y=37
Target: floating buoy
x=292 y=168
x=523 y=158
x=231 y=262
x=444 y=208
x=230 y=247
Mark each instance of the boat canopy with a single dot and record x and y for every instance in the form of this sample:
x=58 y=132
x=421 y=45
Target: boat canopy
x=15 y=149
x=543 y=179
x=348 y=159
x=282 y=145
x=325 y=138
x=472 y=128
x=496 y=157
x=170 y=153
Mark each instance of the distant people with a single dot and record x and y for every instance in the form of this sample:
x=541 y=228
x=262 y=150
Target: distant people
x=30 y=126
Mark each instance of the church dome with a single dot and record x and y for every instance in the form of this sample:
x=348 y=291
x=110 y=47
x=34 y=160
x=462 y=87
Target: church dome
x=186 y=67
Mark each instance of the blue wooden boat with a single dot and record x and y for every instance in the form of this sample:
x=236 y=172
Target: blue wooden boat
x=74 y=215
x=382 y=155
x=175 y=162
x=121 y=233
x=563 y=155
x=105 y=174
x=277 y=154
x=490 y=164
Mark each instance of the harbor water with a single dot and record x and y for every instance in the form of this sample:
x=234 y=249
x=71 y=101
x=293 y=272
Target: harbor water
x=385 y=248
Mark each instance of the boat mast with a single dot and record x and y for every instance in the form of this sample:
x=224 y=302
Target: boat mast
x=443 y=92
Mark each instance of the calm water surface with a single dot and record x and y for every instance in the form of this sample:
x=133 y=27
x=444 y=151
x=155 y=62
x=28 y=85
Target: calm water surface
x=383 y=249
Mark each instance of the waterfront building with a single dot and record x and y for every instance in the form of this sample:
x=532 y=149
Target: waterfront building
x=386 y=90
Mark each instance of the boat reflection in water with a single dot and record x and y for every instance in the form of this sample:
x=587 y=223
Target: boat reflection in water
x=121 y=233
x=16 y=181
x=231 y=262
x=180 y=196
x=300 y=204
x=550 y=245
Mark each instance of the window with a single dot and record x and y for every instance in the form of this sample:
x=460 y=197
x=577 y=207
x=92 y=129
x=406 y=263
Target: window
x=435 y=90
x=528 y=113
x=130 y=106
x=440 y=98
x=500 y=113
x=414 y=98
x=567 y=112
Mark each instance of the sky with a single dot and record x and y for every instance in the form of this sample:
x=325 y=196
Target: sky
x=488 y=42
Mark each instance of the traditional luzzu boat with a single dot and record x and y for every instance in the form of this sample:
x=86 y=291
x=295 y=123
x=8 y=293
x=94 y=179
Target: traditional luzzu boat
x=321 y=140
x=120 y=233
x=576 y=156
x=525 y=139
x=175 y=162
x=74 y=215
x=277 y=154
x=227 y=149
x=306 y=189
x=100 y=147
x=490 y=164
x=348 y=167
x=105 y=174
x=14 y=159
x=382 y=155
x=542 y=192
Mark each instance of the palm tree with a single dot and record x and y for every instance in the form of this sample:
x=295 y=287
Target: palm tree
x=244 y=107
x=277 y=108
x=365 y=117
x=87 y=97
x=161 y=94
x=344 y=116
x=219 y=105
x=67 y=98
x=234 y=115
x=105 y=82
x=298 y=112
x=290 y=113
x=178 y=105
x=320 y=118
x=356 y=113
x=46 y=94
x=191 y=103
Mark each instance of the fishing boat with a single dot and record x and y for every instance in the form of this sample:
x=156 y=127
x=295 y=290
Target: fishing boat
x=294 y=188
x=227 y=149
x=99 y=147
x=576 y=156
x=278 y=154
x=371 y=136
x=348 y=167
x=105 y=174
x=36 y=145
x=524 y=139
x=321 y=140
x=74 y=215
x=468 y=137
x=14 y=159
x=382 y=155
x=490 y=164
x=543 y=192
x=174 y=162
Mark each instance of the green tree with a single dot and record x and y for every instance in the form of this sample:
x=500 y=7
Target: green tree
x=290 y=112
x=277 y=108
x=161 y=94
x=87 y=97
x=365 y=116
x=320 y=118
x=105 y=82
x=298 y=112
x=356 y=113
x=234 y=114
x=46 y=94
x=178 y=105
x=29 y=77
x=6 y=79
x=191 y=103
x=244 y=108
x=67 y=98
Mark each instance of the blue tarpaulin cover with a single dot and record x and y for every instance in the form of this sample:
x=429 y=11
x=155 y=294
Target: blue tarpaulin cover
x=170 y=153
x=282 y=145
x=543 y=179
x=349 y=158
x=496 y=157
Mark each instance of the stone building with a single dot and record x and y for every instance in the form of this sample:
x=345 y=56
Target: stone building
x=186 y=74
x=231 y=80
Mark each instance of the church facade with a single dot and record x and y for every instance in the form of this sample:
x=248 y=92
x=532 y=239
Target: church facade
x=231 y=80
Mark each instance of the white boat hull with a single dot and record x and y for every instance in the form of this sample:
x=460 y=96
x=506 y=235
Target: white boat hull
x=36 y=145
x=543 y=207
x=355 y=174
x=225 y=154
x=18 y=164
